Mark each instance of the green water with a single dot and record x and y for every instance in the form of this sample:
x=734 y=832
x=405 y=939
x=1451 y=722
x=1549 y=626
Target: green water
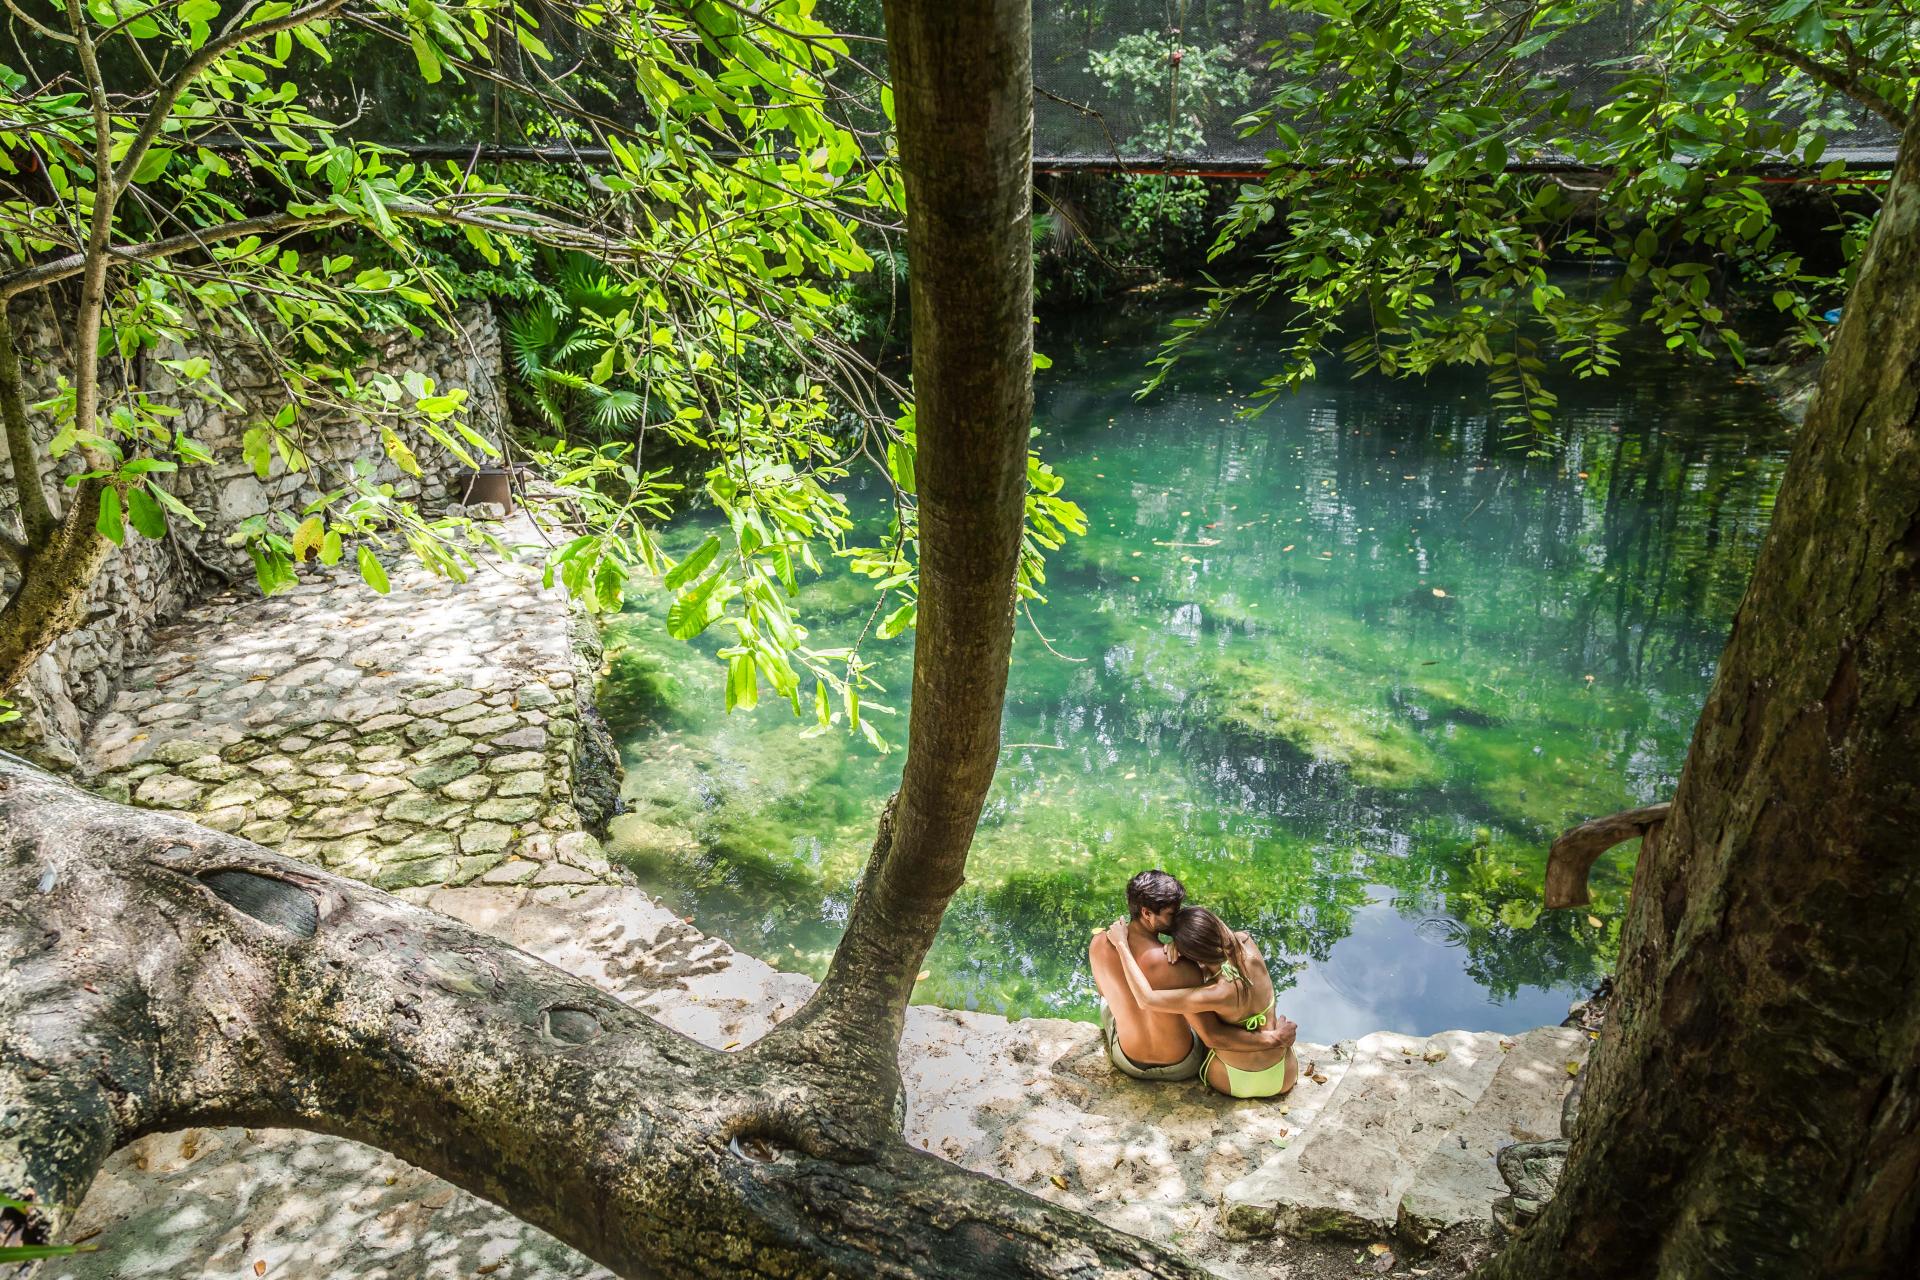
x=1345 y=669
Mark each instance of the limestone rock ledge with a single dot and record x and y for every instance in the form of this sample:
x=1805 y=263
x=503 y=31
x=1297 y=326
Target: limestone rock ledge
x=1386 y=1133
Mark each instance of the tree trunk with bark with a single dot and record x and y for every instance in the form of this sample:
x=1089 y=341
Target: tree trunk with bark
x=56 y=556
x=159 y=975
x=1752 y=1107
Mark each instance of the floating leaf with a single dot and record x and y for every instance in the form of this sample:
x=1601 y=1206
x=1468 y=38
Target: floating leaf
x=1439 y=594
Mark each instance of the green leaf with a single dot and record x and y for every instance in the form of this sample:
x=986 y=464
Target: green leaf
x=694 y=565
x=899 y=620
x=256 y=448
x=152 y=164
x=330 y=548
x=743 y=682
x=108 y=522
x=270 y=570
x=372 y=571
x=308 y=537
x=427 y=56
x=900 y=464
x=397 y=450
x=145 y=514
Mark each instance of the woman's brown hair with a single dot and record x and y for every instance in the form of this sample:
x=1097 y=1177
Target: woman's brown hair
x=1203 y=937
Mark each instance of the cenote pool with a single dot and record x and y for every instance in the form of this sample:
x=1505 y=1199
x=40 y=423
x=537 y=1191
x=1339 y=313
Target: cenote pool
x=1345 y=669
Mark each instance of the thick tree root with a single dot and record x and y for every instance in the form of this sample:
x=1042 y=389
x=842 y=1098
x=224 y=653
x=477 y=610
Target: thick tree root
x=159 y=975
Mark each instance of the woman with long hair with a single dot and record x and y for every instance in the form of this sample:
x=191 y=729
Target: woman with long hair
x=1237 y=987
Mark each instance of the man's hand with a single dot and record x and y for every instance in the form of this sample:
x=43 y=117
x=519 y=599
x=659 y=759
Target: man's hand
x=1279 y=1033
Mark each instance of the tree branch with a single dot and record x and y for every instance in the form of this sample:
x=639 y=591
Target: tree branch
x=1834 y=78
x=1572 y=856
x=226 y=42
x=161 y=975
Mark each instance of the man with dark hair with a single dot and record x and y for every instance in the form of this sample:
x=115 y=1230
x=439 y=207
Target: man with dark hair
x=1157 y=1046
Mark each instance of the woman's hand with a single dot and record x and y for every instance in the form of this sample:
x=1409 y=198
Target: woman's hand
x=1117 y=935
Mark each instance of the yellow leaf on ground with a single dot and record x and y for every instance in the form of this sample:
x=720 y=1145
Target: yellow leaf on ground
x=1573 y=1068
x=1059 y=1182
x=1376 y=1249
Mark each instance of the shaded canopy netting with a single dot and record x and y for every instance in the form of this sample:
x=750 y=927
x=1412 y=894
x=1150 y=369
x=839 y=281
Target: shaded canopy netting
x=1110 y=90
x=1167 y=80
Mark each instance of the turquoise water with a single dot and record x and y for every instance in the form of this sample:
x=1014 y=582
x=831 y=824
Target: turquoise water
x=1345 y=669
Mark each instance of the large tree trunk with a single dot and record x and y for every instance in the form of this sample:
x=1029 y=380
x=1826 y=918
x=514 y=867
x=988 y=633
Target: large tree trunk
x=159 y=975
x=963 y=92
x=56 y=557
x=1753 y=1103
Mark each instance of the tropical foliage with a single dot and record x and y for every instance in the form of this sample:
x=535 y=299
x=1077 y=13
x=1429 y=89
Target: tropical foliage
x=1404 y=137
x=163 y=165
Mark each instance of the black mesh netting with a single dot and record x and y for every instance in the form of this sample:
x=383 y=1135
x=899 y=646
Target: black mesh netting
x=1109 y=88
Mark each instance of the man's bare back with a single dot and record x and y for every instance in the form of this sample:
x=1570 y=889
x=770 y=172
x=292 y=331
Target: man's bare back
x=1149 y=1039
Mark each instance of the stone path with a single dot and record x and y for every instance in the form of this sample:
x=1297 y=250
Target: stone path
x=414 y=740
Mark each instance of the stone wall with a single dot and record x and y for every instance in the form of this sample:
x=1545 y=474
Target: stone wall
x=145 y=583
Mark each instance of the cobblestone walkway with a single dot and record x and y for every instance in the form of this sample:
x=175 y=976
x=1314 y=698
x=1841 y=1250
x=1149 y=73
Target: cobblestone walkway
x=416 y=740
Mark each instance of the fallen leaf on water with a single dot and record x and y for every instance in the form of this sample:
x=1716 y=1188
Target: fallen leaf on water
x=923 y=975
x=1058 y=1181
x=1288 y=547
x=1594 y=921
x=1439 y=594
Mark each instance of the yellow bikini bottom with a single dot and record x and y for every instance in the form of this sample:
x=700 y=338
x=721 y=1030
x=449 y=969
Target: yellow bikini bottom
x=1268 y=1082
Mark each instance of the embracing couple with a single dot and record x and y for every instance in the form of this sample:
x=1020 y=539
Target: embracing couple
x=1200 y=1005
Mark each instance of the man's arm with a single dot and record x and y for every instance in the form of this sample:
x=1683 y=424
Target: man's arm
x=1218 y=1033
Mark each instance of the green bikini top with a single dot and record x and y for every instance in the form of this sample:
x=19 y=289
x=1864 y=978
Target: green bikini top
x=1231 y=972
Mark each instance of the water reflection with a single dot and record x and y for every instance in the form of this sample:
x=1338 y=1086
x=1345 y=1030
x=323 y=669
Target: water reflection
x=1344 y=668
